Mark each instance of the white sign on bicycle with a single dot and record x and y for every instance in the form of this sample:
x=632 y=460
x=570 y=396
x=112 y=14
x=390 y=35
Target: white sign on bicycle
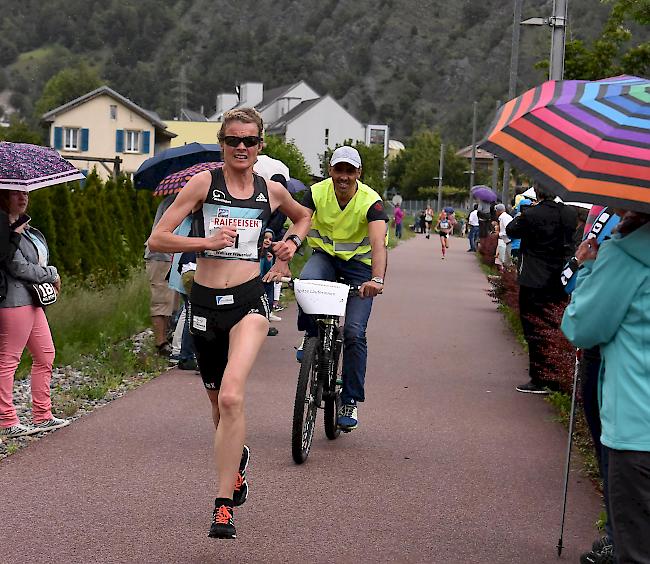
x=321 y=297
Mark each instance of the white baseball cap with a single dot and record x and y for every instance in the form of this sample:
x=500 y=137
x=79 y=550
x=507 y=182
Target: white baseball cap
x=346 y=154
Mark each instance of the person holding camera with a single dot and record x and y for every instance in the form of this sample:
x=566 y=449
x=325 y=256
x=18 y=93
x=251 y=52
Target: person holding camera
x=23 y=322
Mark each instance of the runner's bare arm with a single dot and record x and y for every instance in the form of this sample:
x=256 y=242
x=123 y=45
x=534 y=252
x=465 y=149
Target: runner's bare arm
x=190 y=198
x=299 y=215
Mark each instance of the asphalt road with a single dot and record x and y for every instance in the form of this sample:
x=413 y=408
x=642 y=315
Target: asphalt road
x=449 y=464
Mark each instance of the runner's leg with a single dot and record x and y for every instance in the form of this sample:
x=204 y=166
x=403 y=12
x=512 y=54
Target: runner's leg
x=246 y=339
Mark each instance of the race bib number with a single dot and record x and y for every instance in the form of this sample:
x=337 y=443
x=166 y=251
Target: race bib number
x=248 y=234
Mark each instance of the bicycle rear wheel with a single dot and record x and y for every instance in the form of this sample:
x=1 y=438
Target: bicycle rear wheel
x=333 y=396
x=305 y=404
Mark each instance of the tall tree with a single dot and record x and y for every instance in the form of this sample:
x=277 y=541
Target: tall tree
x=19 y=131
x=66 y=85
x=290 y=155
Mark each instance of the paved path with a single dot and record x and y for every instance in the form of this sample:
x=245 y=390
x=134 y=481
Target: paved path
x=449 y=464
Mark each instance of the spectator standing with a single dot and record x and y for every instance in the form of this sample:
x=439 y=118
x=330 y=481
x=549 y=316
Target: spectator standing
x=398 y=216
x=162 y=296
x=23 y=323
x=610 y=308
x=472 y=220
x=546 y=232
x=504 y=246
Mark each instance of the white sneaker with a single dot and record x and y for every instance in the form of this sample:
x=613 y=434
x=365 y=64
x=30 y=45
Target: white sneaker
x=50 y=424
x=18 y=430
x=273 y=317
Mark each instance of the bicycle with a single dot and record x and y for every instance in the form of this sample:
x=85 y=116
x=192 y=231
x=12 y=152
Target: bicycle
x=319 y=379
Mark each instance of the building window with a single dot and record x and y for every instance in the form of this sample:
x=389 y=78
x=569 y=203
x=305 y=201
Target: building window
x=113 y=111
x=71 y=138
x=327 y=137
x=132 y=141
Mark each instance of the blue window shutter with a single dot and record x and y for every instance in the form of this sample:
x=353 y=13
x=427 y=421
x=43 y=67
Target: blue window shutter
x=146 y=135
x=58 y=138
x=119 y=141
x=84 y=139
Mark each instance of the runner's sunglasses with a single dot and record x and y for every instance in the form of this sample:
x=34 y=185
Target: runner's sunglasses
x=248 y=141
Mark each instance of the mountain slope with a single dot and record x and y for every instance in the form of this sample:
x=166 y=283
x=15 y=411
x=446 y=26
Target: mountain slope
x=408 y=63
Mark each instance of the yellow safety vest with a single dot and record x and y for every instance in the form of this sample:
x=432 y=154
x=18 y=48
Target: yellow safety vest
x=342 y=233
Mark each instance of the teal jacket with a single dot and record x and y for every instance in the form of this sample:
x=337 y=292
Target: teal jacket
x=610 y=307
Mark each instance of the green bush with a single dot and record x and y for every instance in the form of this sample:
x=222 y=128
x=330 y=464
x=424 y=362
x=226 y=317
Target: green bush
x=96 y=230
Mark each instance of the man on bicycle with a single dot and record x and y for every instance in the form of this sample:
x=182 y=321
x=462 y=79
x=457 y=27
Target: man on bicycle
x=349 y=237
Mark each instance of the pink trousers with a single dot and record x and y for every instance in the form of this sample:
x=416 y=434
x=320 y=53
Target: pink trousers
x=20 y=327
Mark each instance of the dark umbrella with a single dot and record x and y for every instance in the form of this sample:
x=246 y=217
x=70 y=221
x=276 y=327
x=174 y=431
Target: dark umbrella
x=153 y=170
x=294 y=186
x=583 y=141
x=484 y=193
x=448 y=209
x=173 y=183
x=28 y=167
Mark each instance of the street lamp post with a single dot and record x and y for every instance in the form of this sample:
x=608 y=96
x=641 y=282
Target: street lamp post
x=512 y=86
x=441 y=163
x=473 y=165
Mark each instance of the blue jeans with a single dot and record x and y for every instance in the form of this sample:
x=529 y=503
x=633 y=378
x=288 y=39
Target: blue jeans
x=322 y=266
x=398 y=231
x=473 y=237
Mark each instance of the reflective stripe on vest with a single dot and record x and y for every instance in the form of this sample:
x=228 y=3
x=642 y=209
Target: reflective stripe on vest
x=342 y=233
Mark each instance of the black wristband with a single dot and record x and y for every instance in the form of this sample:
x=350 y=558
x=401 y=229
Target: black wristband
x=297 y=241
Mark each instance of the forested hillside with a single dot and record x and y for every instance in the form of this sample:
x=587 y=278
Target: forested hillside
x=408 y=63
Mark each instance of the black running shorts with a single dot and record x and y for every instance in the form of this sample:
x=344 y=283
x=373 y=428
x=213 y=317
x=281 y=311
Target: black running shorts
x=213 y=313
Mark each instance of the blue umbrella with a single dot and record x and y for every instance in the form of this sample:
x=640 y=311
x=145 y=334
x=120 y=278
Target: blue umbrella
x=484 y=193
x=449 y=209
x=153 y=170
x=294 y=186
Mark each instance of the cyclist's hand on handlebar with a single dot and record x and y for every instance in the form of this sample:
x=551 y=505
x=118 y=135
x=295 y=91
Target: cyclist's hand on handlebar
x=283 y=250
x=370 y=289
x=278 y=271
x=224 y=237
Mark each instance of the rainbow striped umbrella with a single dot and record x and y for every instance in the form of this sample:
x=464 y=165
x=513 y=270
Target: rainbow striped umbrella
x=585 y=141
x=173 y=183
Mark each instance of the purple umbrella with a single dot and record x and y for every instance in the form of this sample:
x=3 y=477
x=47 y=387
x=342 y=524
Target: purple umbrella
x=28 y=167
x=484 y=193
x=173 y=183
x=294 y=186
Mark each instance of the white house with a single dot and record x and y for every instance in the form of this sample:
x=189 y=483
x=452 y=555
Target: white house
x=103 y=124
x=298 y=114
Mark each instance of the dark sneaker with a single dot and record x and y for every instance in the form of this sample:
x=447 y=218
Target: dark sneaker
x=240 y=495
x=164 y=350
x=530 y=388
x=18 y=430
x=223 y=526
x=51 y=424
x=347 y=419
x=272 y=332
x=605 y=556
x=601 y=544
x=188 y=364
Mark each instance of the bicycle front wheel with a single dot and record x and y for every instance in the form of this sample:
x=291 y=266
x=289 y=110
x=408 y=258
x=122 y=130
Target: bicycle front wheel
x=305 y=404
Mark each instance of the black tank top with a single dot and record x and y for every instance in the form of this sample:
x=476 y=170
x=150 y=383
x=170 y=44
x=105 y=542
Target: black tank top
x=250 y=217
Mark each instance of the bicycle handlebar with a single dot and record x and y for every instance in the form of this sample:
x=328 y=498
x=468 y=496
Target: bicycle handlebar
x=354 y=290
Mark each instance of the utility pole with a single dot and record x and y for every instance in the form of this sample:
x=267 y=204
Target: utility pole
x=473 y=169
x=512 y=87
x=181 y=89
x=441 y=163
x=495 y=165
x=558 y=26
